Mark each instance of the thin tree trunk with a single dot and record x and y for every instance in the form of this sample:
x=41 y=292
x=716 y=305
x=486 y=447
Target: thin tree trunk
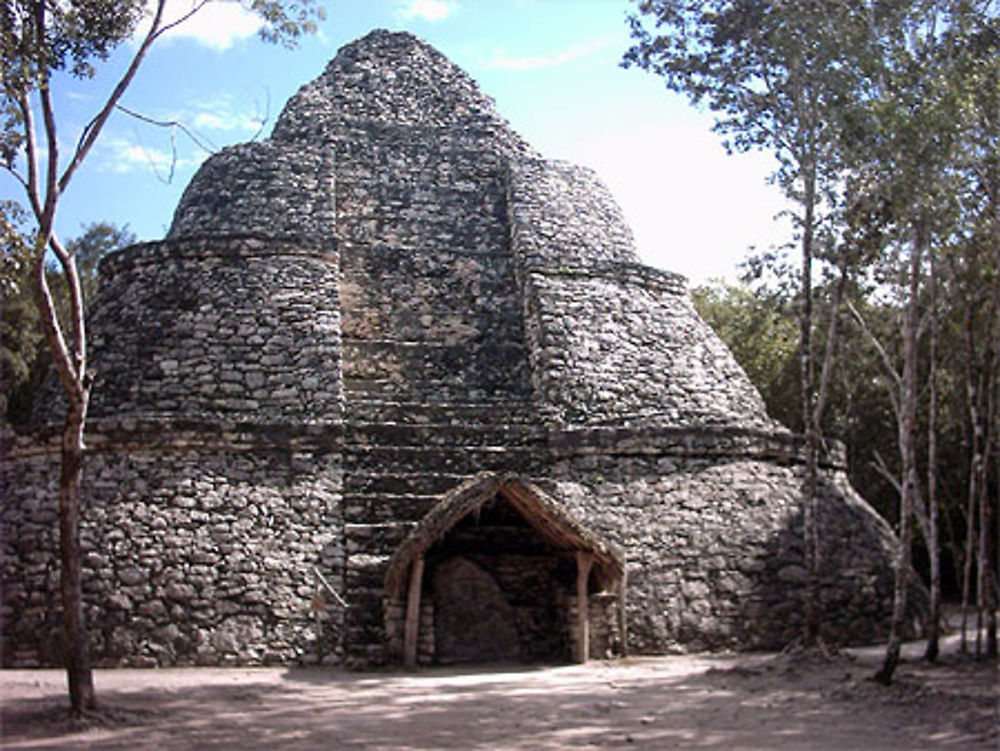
x=908 y=454
x=933 y=544
x=807 y=378
x=989 y=503
x=987 y=587
x=970 y=546
x=973 y=487
x=70 y=361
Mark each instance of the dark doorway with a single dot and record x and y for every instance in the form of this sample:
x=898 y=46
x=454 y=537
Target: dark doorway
x=500 y=590
x=472 y=620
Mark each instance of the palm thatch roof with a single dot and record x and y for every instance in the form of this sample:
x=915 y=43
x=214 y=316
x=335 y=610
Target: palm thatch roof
x=545 y=514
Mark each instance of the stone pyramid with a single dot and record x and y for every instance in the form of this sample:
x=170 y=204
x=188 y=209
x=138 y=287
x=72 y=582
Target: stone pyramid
x=396 y=387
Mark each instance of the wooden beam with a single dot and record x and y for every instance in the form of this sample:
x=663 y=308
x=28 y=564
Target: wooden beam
x=411 y=627
x=583 y=564
x=622 y=613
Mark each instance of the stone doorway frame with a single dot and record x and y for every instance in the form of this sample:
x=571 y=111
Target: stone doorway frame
x=593 y=556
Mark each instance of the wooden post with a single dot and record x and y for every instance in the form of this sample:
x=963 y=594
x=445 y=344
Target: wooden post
x=583 y=564
x=411 y=627
x=622 y=614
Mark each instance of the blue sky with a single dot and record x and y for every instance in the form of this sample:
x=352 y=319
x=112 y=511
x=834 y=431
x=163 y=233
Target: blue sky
x=551 y=65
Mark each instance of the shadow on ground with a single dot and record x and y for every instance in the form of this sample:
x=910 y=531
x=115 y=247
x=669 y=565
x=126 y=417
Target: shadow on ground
x=699 y=702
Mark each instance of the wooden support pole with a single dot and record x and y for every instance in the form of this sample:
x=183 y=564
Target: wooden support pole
x=622 y=613
x=583 y=564
x=411 y=627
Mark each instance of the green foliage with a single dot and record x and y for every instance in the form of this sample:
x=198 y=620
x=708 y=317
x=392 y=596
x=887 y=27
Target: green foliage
x=763 y=337
x=24 y=355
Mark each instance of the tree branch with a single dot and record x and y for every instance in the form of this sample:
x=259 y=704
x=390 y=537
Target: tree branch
x=21 y=179
x=53 y=331
x=51 y=198
x=891 y=371
x=210 y=148
x=830 y=348
x=72 y=278
x=93 y=129
x=883 y=469
x=31 y=149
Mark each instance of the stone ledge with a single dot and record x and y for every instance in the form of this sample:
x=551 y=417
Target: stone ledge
x=180 y=435
x=649 y=440
x=197 y=247
x=781 y=447
x=624 y=273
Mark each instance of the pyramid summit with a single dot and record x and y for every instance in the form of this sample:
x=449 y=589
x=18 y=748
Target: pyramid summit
x=391 y=78
x=393 y=357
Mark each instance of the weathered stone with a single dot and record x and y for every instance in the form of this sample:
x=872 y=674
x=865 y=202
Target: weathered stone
x=348 y=320
x=131 y=576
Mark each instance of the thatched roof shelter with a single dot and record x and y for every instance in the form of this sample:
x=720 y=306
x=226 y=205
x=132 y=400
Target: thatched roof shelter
x=562 y=534
x=540 y=510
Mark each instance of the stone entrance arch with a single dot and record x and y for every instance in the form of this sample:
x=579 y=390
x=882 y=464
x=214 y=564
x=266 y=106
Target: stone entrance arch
x=498 y=570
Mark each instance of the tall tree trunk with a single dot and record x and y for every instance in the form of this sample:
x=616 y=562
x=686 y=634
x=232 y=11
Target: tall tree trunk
x=70 y=361
x=972 y=408
x=933 y=544
x=78 y=671
x=987 y=555
x=807 y=378
x=908 y=454
x=994 y=412
x=988 y=503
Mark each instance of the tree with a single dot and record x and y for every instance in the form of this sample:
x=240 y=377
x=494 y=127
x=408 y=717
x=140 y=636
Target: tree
x=40 y=42
x=774 y=74
x=24 y=356
x=919 y=102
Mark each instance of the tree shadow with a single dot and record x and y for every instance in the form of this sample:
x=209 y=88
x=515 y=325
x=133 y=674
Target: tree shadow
x=758 y=701
x=856 y=579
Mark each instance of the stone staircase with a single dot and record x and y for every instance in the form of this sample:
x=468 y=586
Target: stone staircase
x=399 y=458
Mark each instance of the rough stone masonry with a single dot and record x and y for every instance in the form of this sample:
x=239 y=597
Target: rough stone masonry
x=393 y=352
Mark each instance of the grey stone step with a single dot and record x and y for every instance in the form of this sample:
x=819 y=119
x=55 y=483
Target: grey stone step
x=376 y=482
x=439 y=412
x=456 y=387
x=391 y=460
x=365 y=572
x=372 y=540
x=464 y=434
x=376 y=508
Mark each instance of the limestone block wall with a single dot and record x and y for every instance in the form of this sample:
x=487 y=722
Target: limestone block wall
x=196 y=552
x=270 y=187
x=391 y=78
x=714 y=549
x=564 y=216
x=237 y=329
x=612 y=340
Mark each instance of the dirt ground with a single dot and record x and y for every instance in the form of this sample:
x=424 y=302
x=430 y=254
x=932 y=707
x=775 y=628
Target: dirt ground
x=762 y=701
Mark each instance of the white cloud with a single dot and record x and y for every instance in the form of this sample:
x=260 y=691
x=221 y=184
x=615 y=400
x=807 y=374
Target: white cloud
x=218 y=25
x=426 y=10
x=225 y=117
x=500 y=61
x=226 y=120
x=121 y=156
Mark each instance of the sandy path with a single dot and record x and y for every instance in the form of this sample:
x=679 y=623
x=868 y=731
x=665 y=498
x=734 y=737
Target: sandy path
x=687 y=702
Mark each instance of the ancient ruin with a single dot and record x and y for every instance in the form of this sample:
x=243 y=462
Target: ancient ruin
x=396 y=388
